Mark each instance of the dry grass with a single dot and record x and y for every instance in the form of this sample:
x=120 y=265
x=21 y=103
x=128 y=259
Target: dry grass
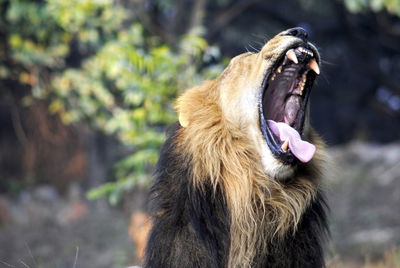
x=391 y=259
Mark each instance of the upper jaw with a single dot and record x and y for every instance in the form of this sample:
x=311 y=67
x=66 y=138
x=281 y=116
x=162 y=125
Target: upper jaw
x=285 y=92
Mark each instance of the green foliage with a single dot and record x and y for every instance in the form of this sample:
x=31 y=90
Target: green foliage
x=128 y=91
x=391 y=6
x=94 y=62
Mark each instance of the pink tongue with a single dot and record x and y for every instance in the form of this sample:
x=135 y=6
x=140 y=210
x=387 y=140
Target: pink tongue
x=303 y=150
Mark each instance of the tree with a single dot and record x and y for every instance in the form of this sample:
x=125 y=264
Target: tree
x=99 y=65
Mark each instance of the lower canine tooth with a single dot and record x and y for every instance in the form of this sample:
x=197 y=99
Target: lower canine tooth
x=285 y=145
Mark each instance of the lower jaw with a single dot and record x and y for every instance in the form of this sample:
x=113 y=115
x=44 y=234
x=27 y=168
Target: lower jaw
x=273 y=168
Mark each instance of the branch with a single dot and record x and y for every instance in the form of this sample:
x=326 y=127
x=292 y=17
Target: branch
x=224 y=18
x=198 y=13
x=150 y=23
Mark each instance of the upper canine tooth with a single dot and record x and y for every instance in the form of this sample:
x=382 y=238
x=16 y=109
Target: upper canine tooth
x=291 y=55
x=279 y=69
x=314 y=66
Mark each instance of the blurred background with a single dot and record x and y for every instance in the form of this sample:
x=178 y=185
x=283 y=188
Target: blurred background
x=87 y=88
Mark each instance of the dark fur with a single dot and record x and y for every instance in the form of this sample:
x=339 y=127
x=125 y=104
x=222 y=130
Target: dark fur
x=191 y=226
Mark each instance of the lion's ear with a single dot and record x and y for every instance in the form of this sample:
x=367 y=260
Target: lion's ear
x=183 y=110
x=183 y=119
x=187 y=104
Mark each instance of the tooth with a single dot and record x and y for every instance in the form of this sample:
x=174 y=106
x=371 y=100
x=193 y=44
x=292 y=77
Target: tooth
x=279 y=69
x=273 y=77
x=291 y=55
x=285 y=145
x=314 y=66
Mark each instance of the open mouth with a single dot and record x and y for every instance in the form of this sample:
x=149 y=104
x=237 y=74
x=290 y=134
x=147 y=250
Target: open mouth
x=284 y=100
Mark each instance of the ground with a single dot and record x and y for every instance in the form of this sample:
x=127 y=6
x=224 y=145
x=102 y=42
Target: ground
x=47 y=231
x=364 y=195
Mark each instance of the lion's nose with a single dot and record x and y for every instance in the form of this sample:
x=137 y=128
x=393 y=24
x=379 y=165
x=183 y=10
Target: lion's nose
x=297 y=32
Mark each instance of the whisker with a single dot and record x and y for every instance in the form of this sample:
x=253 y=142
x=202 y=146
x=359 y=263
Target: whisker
x=256 y=50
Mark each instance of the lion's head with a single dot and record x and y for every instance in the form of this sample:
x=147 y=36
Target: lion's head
x=261 y=94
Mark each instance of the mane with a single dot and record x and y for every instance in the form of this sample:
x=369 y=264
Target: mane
x=260 y=208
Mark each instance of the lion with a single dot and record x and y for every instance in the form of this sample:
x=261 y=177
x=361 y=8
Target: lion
x=238 y=181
